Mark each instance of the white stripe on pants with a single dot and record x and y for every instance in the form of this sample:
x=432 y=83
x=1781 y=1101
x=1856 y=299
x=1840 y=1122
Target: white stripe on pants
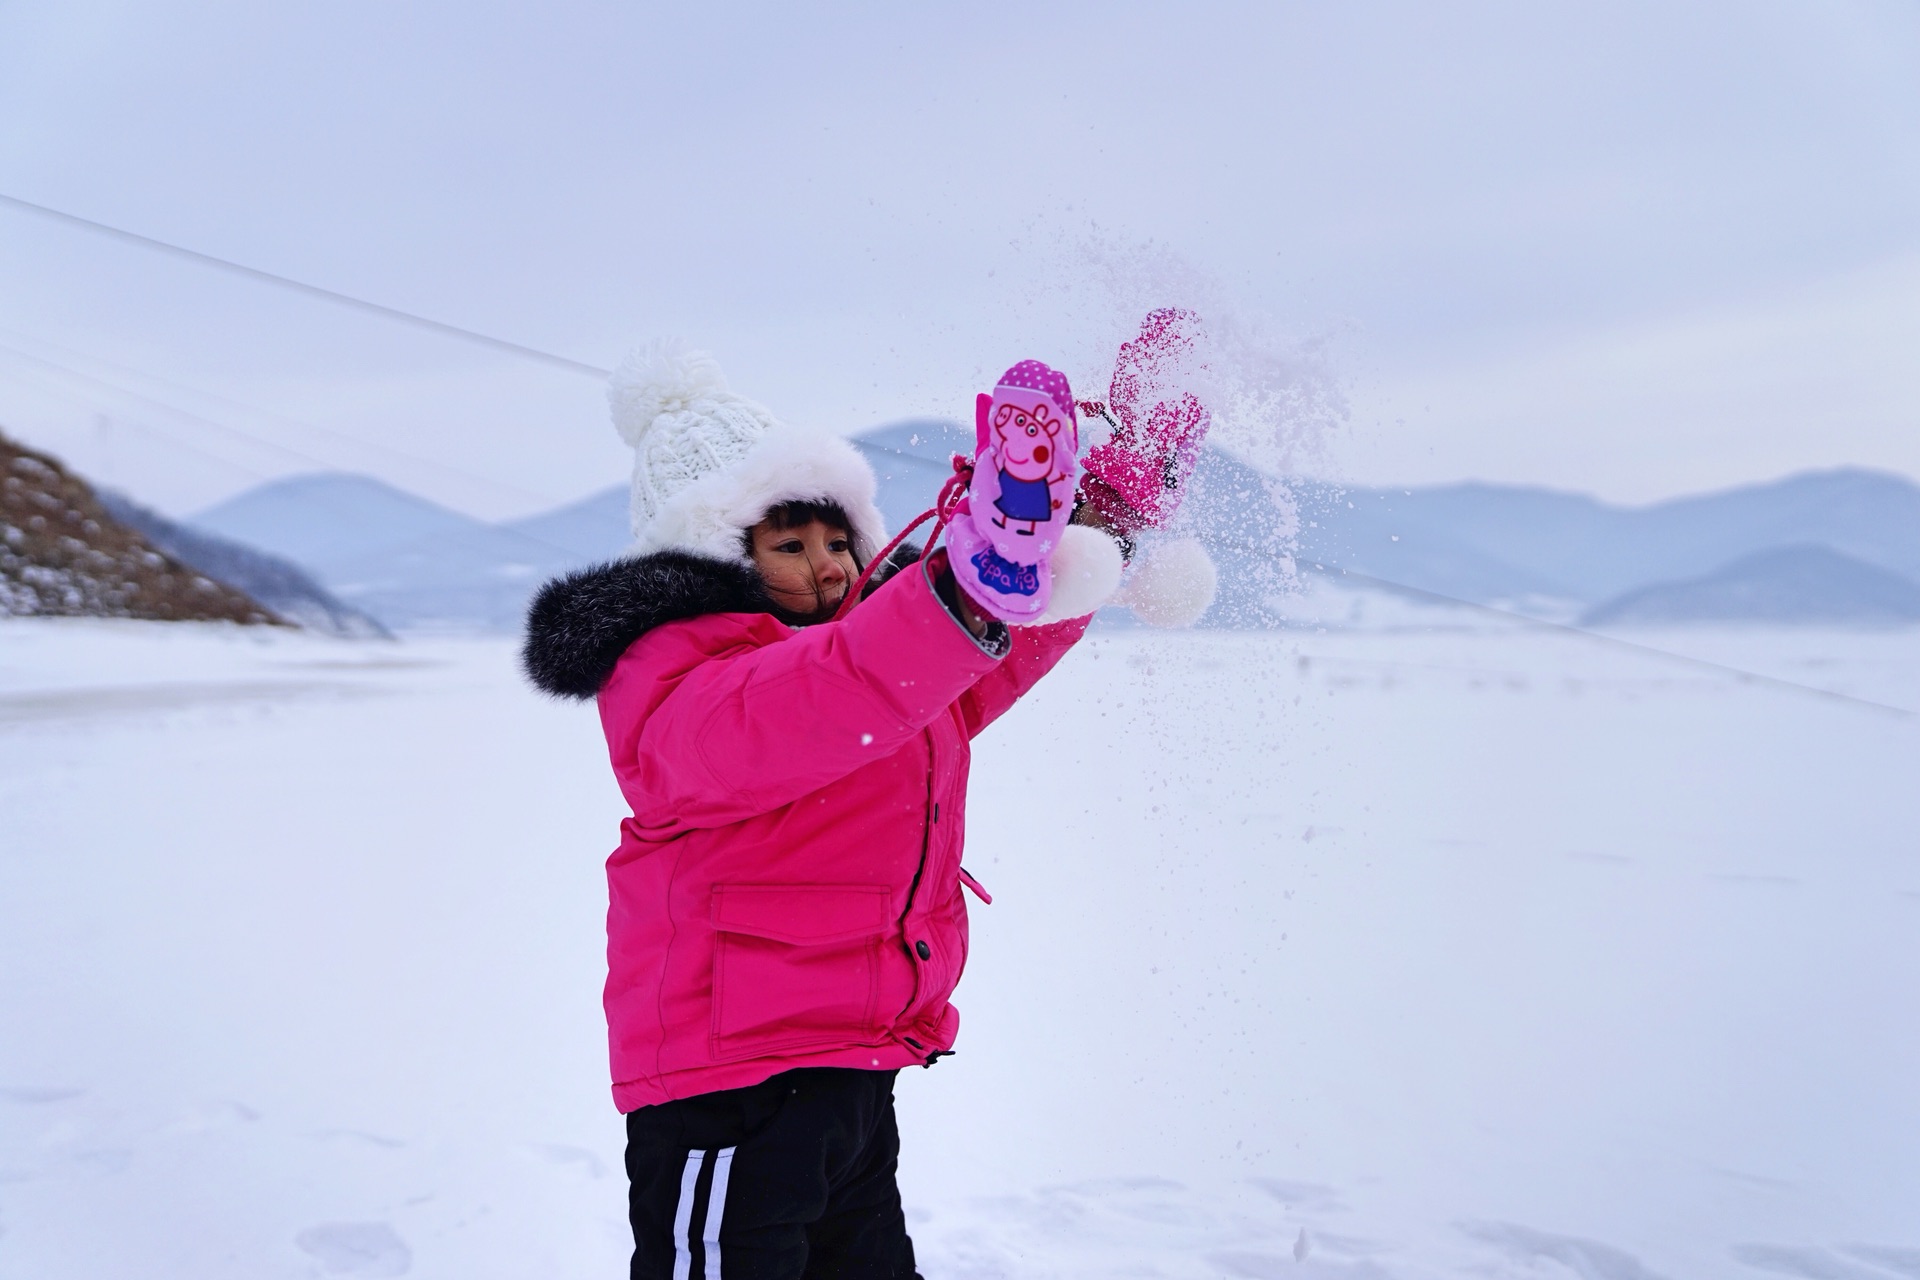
x=717 y=1206
x=683 y=1224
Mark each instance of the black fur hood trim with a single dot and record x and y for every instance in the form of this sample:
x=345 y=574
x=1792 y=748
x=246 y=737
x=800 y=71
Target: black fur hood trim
x=580 y=624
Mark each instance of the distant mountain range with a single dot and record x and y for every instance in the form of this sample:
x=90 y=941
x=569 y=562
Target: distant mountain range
x=1786 y=584
x=1516 y=542
x=1834 y=546
x=411 y=563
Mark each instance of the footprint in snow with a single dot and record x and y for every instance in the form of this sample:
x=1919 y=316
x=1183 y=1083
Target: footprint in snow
x=1300 y=1195
x=1813 y=1263
x=360 y=1137
x=37 y=1097
x=1588 y=1259
x=208 y=1117
x=580 y=1158
x=1904 y=1262
x=356 y=1249
x=1266 y=1266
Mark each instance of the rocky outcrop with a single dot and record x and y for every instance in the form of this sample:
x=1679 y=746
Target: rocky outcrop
x=62 y=555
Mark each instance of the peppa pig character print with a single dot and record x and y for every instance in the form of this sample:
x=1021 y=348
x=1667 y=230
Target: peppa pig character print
x=1025 y=445
x=1026 y=464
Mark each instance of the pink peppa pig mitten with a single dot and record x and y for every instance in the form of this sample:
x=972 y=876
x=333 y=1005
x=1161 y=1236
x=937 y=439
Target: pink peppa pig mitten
x=1026 y=447
x=1136 y=478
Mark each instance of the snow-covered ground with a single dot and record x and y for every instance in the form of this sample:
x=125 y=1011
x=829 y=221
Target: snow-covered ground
x=1491 y=951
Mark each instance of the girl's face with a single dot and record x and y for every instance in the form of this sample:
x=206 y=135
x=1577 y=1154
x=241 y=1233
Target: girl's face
x=807 y=568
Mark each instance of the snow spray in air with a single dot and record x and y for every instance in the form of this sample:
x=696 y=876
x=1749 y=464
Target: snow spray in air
x=1275 y=402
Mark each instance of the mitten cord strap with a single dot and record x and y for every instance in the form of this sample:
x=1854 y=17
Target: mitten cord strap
x=950 y=494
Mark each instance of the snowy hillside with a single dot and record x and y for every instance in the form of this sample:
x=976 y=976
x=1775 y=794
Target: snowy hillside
x=1476 y=953
x=279 y=584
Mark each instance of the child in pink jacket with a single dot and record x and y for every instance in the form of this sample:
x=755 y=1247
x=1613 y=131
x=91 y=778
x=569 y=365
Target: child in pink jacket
x=787 y=919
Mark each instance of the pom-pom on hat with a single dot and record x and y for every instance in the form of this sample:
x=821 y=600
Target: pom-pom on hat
x=708 y=464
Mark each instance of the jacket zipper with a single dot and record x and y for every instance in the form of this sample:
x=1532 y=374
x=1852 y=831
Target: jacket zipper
x=913 y=890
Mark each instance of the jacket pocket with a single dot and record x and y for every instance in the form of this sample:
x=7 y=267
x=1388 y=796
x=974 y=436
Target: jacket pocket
x=795 y=965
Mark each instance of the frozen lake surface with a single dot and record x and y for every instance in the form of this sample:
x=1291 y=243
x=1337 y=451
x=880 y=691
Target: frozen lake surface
x=1484 y=951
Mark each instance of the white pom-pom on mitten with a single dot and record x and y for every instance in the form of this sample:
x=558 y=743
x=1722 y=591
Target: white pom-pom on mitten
x=1172 y=585
x=1086 y=572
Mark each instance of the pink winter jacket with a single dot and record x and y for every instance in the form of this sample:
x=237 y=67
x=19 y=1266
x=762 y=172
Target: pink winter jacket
x=788 y=890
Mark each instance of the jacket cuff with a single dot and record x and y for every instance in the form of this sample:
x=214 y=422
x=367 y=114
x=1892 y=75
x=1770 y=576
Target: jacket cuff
x=998 y=640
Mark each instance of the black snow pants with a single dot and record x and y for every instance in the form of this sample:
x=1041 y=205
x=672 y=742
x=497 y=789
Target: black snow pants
x=788 y=1179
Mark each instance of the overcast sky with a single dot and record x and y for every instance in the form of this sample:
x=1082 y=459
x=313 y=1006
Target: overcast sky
x=1630 y=249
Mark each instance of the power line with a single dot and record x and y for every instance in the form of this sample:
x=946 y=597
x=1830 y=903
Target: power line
x=433 y=464
x=312 y=290
x=60 y=369
x=84 y=400
x=54 y=366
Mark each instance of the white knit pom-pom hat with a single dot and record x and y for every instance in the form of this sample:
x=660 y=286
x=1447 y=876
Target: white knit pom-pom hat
x=709 y=464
